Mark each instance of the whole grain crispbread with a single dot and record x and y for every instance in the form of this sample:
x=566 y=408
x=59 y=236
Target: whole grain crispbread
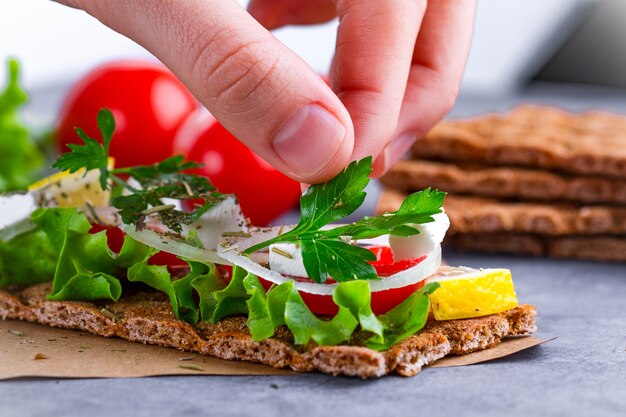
x=533 y=136
x=504 y=182
x=147 y=318
x=483 y=215
x=595 y=248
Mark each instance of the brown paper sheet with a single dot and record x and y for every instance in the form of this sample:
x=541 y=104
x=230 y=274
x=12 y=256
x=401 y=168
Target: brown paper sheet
x=32 y=350
x=509 y=346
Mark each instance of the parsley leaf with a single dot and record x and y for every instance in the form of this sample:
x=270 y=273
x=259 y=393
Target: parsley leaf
x=91 y=155
x=325 y=252
x=165 y=179
x=322 y=204
x=335 y=258
x=417 y=208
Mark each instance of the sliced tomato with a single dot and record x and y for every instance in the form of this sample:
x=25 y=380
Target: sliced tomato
x=382 y=301
x=226 y=272
x=115 y=236
x=385 y=265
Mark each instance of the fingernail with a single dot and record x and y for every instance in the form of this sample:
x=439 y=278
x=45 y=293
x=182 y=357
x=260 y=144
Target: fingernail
x=398 y=147
x=309 y=140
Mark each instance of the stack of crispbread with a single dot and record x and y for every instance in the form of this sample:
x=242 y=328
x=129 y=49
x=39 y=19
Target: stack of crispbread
x=536 y=181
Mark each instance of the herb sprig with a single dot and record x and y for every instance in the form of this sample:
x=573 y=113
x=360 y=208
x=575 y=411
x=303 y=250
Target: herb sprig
x=152 y=183
x=325 y=252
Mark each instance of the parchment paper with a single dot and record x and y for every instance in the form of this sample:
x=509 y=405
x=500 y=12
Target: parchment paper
x=32 y=350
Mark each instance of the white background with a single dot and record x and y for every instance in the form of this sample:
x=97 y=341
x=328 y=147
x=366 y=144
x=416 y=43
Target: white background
x=57 y=44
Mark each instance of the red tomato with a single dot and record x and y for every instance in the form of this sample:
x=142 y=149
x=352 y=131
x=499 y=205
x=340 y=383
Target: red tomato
x=382 y=301
x=149 y=105
x=264 y=193
x=385 y=265
x=115 y=236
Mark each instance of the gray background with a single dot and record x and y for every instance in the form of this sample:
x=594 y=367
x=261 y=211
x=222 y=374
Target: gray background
x=583 y=372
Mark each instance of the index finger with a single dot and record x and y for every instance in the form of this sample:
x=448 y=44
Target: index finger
x=375 y=44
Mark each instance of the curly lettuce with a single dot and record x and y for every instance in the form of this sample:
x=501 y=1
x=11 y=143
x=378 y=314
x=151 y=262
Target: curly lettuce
x=20 y=158
x=87 y=270
x=283 y=305
x=27 y=259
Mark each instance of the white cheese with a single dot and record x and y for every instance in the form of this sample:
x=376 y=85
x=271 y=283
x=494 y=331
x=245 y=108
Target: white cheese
x=223 y=217
x=286 y=259
x=15 y=208
x=430 y=237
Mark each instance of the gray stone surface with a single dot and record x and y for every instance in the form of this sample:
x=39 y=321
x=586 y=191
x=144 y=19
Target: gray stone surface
x=581 y=373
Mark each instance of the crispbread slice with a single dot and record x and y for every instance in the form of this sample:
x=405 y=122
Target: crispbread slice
x=148 y=318
x=533 y=136
x=480 y=215
x=596 y=248
x=507 y=182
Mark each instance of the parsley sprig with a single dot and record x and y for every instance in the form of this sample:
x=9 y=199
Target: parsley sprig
x=325 y=252
x=166 y=179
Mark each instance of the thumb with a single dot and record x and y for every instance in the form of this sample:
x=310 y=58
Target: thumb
x=254 y=85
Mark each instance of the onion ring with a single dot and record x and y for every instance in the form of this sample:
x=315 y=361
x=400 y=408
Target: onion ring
x=231 y=249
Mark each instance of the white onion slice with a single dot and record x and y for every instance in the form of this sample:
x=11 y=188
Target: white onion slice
x=175 y=247
x=223 y=217
x=18 y=228
x=231 y=249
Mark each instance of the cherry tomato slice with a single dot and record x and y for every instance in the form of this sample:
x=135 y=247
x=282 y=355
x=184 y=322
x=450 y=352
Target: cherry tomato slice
x=385 y=265
x=115 y=236
x=382 y=301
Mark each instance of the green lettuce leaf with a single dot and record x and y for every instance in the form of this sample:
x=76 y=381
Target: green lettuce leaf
x=83 y=268
x=86 y=268
x=30 y=258
x=230 y=300
x=405 y=319
x=202 y=279
x=283 y=305
x=20 y=158
x=27 y=259
x=357 y=297
x=305 y=325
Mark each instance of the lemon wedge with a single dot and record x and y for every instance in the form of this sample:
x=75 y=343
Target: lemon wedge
x=467 y=292
x=77 y=189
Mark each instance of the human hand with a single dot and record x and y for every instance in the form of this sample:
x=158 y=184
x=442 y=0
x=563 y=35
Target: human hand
x=390 y=84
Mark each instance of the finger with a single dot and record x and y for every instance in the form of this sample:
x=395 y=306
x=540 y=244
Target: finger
x=255 y=86
x=437 y=68
x=276 y=13
x=375 y=44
